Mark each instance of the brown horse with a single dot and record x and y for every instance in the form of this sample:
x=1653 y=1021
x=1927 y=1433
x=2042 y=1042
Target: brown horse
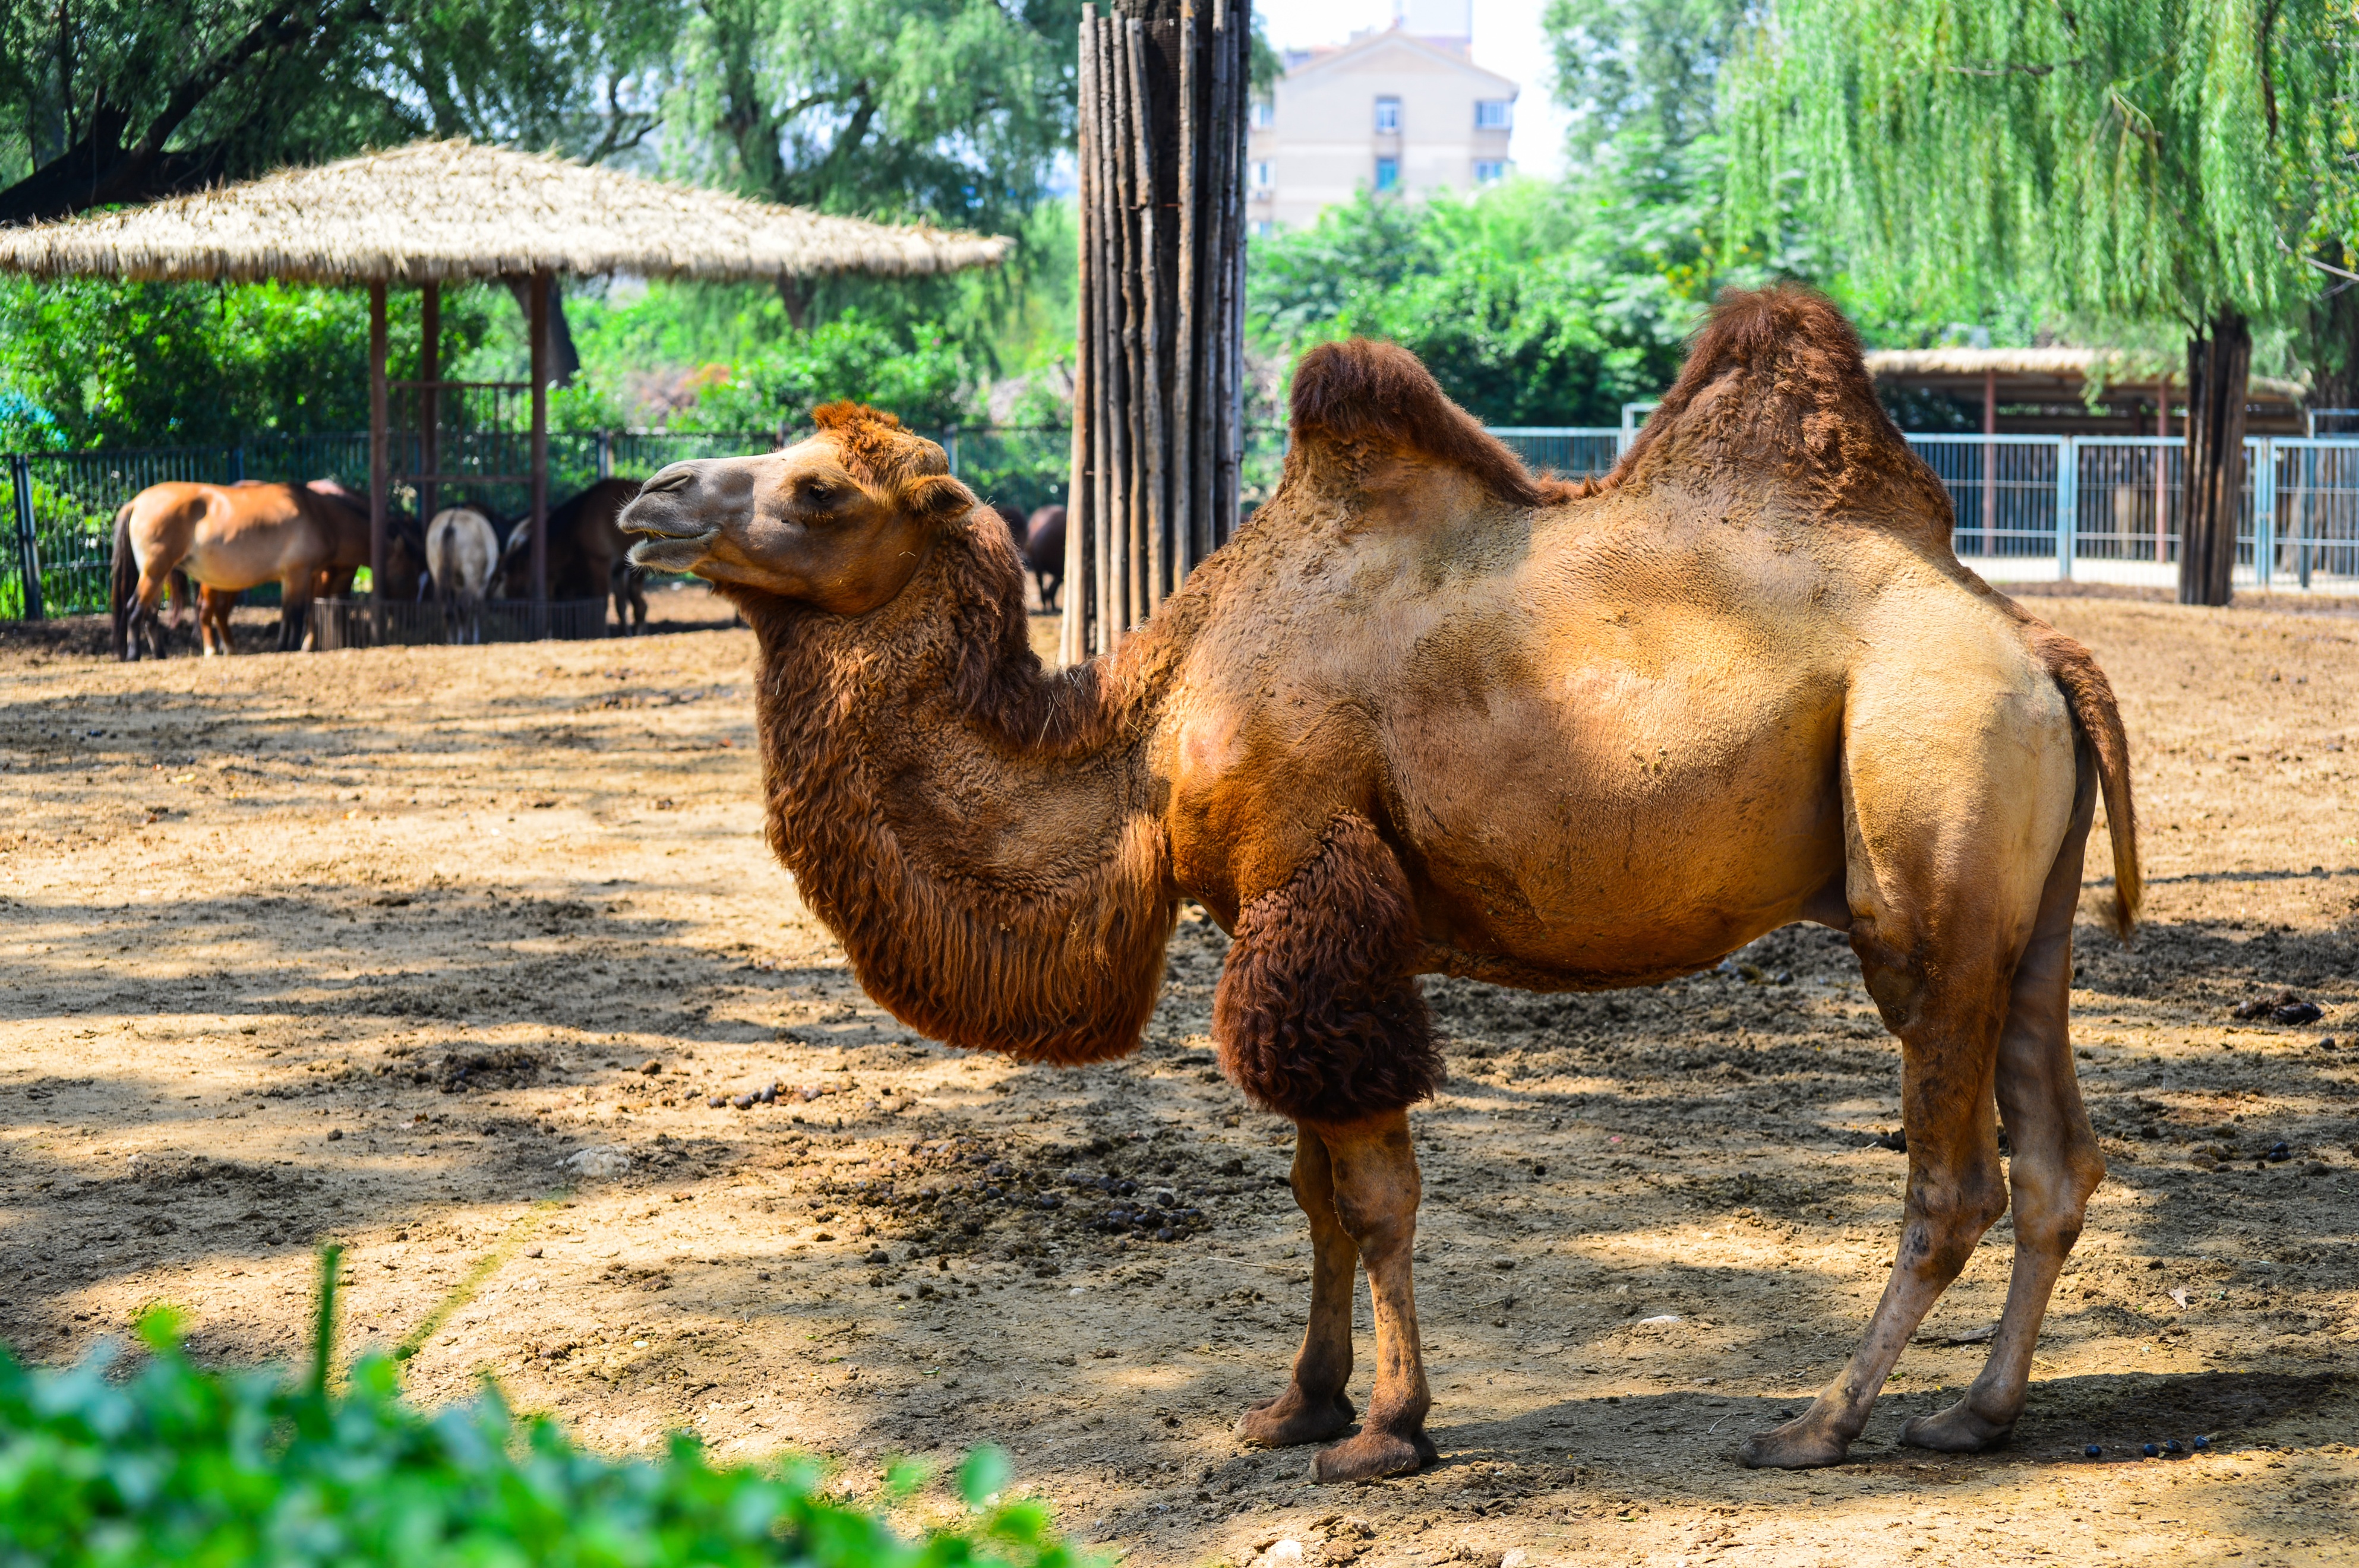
x=587 y=554
x=228 y=538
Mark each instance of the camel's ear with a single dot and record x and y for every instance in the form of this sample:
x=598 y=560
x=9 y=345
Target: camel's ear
x=936 y=498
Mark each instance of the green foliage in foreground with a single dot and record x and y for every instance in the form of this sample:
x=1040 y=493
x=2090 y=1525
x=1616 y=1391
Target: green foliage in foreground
x=182 y=1466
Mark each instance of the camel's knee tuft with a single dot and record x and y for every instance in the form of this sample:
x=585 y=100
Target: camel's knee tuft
x=1316 y=1014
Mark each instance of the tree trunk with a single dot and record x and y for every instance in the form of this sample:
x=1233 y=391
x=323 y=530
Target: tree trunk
x=1155 y=441
x=564 y=360
x=2334 y=326
x=2218 y=366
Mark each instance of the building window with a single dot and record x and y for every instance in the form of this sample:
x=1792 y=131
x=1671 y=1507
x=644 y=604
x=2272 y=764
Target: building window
x=1494 y=114
x=1387 y=116
x=1388 y=173
x=1489 y=171
x=1263 y=176
x=1263 y=113
x=1263 y=229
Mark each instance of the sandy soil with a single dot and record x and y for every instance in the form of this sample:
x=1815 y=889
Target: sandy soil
x=368 y=946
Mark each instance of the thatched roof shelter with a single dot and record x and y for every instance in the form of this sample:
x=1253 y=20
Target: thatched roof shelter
x=438 y=211
x=2056 y=380
x=453 y=211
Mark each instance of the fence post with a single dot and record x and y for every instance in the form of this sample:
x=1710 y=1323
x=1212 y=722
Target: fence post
x=28 y=553
x=605 y=454
x=238 y=465
x=2261 y=457
x=2068 y=505
x=950 y=446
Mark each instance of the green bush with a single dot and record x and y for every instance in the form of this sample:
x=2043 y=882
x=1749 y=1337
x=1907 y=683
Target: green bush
x=199 y=1469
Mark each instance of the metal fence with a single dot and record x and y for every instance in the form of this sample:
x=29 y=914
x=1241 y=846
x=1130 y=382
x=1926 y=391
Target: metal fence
x=2107 y=508
x=2094 y=507
x=1565 y=452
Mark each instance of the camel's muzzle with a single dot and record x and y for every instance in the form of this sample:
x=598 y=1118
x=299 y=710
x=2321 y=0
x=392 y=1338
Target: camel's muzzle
x=676 y=536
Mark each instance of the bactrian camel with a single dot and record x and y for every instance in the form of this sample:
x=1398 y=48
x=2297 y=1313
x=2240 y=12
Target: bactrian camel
x=1425 y=714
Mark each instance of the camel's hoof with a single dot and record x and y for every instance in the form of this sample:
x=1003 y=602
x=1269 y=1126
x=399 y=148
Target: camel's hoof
x=1371 y=1454
x=1958 y=1430
x=1290 y=1418
x=1799 y=1445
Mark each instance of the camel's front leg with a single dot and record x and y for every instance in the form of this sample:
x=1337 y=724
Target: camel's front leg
x=1317 y=1017
x=1376 y=1192
x=1313 y=1408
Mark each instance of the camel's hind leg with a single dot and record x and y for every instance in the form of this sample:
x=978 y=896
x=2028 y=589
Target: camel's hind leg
x=1953 y=831
x=2056 y=1165
x=1313 y=1408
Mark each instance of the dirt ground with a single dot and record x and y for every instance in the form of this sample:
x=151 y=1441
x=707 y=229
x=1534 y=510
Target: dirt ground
x=405 y=948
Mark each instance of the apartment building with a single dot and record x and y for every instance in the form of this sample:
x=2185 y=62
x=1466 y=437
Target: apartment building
x=1405 y=110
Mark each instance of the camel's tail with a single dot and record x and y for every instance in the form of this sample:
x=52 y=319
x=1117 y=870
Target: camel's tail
x=123 y=586
x=2100 y=720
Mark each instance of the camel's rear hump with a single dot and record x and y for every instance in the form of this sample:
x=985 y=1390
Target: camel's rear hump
x=1774 y=402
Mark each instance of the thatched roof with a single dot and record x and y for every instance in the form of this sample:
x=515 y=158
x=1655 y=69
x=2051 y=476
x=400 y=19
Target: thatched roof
x=2024 y=373
x=455 y=209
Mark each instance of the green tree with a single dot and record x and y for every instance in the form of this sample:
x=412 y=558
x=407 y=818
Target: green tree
x=116 y=100
x=2149 y=161
x=1526 y=312
x=951 y=110
x=1648 y=66
x=93 y=364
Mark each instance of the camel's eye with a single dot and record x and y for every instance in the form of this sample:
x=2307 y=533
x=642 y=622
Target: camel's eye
x=819 y=492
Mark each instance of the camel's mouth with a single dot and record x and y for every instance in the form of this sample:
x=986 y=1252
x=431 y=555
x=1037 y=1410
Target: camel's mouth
x=671 y=553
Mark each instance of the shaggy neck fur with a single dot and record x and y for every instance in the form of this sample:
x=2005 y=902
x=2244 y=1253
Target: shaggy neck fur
x=977 y=834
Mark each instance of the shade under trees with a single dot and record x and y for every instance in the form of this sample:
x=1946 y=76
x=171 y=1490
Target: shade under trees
x=2160 y=161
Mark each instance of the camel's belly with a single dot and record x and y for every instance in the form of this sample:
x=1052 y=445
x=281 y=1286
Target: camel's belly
x=1618 y=823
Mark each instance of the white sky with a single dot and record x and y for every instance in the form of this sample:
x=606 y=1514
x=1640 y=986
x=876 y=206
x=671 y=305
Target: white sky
x=1507 y=40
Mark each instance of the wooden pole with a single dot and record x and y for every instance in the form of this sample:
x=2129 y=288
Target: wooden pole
x=2161 y=466
x=1185 y=498
x=1107 y=436
x=1080 y=517
x=1990 y=456
x=1152 y=535
x=430 y=397
x=378 y=454
x=538 y=327
x=1158 y=330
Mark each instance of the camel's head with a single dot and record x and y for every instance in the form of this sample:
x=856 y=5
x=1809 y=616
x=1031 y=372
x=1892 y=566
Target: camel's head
x=841 y=521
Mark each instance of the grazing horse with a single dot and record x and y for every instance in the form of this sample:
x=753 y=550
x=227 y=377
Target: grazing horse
x=461 y=551
x=1043 y=553
x=227 y=538
x=587 y=554
x=404 y=548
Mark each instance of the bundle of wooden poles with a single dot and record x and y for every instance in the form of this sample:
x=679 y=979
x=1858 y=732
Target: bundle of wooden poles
x=1155 y=398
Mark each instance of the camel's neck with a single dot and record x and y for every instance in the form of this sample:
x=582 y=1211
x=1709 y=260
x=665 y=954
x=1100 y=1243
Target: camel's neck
x=977 y=833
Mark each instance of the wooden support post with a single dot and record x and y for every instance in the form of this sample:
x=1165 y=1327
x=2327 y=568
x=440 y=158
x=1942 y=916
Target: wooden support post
x=538 y=327
x=1164 y=85
x=379 y=453
x=429 y=396
x=1080 y=512
x=2161 y=467
x=1990 y=461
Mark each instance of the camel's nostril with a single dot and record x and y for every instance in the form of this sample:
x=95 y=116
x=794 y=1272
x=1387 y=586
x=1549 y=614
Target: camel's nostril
x=668 y=480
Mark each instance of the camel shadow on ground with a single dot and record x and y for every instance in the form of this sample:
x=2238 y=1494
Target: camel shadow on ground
x=2117 y=1412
